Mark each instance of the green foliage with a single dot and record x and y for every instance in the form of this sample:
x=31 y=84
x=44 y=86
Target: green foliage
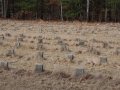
x=74 y=7
x=70 y=8
x=27 y=5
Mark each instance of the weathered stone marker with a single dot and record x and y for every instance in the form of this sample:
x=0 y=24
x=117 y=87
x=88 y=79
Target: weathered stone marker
x=79 y=71
x=68 y=32
x=70 y=56
x=39 y=37
x=39 y=55
x=4 y=64
x=81 y=43
x=39 y=46
x=40 y=40
x=60 y=42
x=17 y=44
x=103 y=59
x=63 y=48
x=21 y=35
x=117 y=51
x=2 y=37
x=105 y=44
x=40 y=29
x=7 y=34
x=38 y=67
x=10 y=52
x=77 y=39
x=20 y=39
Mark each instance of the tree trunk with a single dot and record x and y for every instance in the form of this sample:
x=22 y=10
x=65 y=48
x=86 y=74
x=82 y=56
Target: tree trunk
x=8 y=9
x=106 y=10
x=87 y=10
x=2 y=8
x=61 y=11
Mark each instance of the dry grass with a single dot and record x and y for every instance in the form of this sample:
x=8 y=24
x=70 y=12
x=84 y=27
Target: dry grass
x=59 y=71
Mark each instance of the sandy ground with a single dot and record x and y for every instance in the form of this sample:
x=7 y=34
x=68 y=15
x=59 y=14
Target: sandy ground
x=59 y=71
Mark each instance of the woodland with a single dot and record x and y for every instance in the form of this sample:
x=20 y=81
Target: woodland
x=82 y=10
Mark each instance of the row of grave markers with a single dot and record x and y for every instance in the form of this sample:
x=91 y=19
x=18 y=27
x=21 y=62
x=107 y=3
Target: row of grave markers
x=40 y=68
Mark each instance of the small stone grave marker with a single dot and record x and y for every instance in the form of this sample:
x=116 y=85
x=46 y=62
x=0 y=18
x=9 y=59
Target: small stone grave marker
x=38 y=68
x=79 y=71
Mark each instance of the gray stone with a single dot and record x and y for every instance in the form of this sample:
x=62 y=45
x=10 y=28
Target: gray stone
x=40 y=29
x=38 y=67
x=39 y=46
x=20 y=39
x=103 y=59
x=39 y=37
x=68 y=32
x=17 y=44
x=2 y=37
x=118 y=28
x=21 y=35
x=60 y=42
x=40 y=54
x=70 y=56
x=117 y=51
x=79 y=71
x=10 y=52
x=83 y=33
x=63 y=48
x=4 y=64
x=77 y=39
x=40 y=40
x=7 y=34
x=81 y=43
x=105 y=44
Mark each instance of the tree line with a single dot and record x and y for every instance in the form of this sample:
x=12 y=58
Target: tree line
x=83 y=10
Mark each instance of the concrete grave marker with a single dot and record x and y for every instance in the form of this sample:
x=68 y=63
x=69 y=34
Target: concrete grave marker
x=70 y=56
x=63 y=48
x=81 y=43
x=1 y=37
x=79 y=71
x=39 y=55
x=10 y=52
x=40 y=40
x=20 y=39
x=39 y=46
x=105 y=44
x=4 y=64
x=103 y=59
x=40 y=29
x=17 y=44
x=7 y=34
x=38 y=68
x=60 y=42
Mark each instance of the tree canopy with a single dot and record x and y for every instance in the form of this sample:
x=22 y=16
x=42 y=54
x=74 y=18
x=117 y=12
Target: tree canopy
x=99 y=10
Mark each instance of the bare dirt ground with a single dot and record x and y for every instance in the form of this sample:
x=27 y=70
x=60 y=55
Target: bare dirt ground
x=59 y=70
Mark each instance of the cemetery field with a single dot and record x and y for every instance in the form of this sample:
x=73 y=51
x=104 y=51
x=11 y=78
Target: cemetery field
x=42 y=55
